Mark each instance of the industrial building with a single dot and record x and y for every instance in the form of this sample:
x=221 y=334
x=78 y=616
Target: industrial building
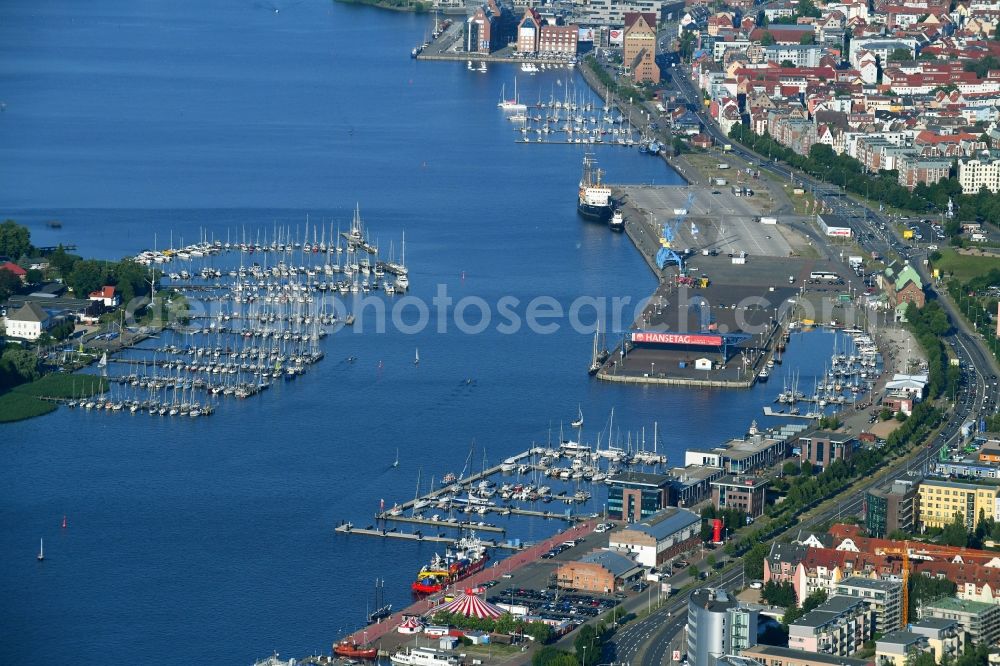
x=601 y=571
x=666 y=534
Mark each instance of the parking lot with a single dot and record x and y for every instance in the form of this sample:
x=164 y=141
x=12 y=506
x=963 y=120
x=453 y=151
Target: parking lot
x=724 y=222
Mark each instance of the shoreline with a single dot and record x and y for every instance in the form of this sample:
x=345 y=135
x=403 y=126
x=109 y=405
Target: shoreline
x=419 y=8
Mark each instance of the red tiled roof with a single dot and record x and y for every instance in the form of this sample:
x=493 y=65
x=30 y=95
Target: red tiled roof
x=13 y=268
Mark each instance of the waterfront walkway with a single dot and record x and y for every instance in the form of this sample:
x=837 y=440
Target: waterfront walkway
x=374 y=632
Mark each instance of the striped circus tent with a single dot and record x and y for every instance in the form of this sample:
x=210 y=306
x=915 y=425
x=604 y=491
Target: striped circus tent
x=470 y=605
x=410 y=625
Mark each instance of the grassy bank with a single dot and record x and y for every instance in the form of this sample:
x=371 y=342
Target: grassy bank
x=24 y=401
x=964 y=267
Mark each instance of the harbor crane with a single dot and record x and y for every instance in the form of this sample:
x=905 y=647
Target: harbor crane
x=667 y=253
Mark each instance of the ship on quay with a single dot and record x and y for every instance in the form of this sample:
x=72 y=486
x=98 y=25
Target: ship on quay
x=594 y=196
x=469 y=557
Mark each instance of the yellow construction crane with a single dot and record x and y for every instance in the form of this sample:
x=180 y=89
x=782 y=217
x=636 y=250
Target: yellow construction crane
x=905 y=552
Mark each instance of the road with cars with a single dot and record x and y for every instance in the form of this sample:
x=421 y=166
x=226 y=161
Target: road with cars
x=647 y=642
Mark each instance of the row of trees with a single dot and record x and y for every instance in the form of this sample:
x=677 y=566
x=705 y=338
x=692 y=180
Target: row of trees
x=806 y=490
x=732 y=519
x=823 y=163
x=928 y=325
x=588 y=646
x=505 y=624
x=979 y=292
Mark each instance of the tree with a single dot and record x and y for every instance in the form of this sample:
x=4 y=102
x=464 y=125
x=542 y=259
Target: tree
x=927 y=588
x=885 y=414
x=790 y=468
x=811 y=603
x=753 y=561
x=767 y=39
x=88 y=275
x=551 y=656
x=15 y=240
x=33 y=276
x=807 y=8
x=9 y=284
x=779 y=594
x=22 y=363
x=900 y=55
x=807 y=38
x=710 y=561
x=787 y=64
x=955 y=533
x=693 y=571
x=588 y=644
x=982 y=65
x=62 y=261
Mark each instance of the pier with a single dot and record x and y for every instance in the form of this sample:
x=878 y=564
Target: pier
x=347 y=528
x=373 y=633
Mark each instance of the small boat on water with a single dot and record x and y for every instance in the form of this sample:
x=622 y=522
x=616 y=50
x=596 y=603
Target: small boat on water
x=578 y=423
x=617 y=221
x=352 y=650
x=41 y=549
x=425 y=656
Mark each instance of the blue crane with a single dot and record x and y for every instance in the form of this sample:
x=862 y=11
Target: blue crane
x=667 y=254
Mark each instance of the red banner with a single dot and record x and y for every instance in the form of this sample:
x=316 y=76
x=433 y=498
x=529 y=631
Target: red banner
x=678 y=339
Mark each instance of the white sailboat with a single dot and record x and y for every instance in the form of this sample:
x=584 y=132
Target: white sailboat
x=396 y=463
x=578 y=423
x=41 y=549
x=416 y=357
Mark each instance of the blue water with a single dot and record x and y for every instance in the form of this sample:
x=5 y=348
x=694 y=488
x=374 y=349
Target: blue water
x=212 y=539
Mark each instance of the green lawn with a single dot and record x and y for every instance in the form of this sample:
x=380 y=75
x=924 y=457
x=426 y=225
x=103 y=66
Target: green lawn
x=15 y=406
x=60 y=385
x=965 y=267
x=22 y=401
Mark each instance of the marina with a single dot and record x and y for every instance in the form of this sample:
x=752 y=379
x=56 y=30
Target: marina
x=264 y=306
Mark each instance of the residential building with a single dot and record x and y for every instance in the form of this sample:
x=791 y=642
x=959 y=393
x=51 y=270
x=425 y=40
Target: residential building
x=914 y=170
x=490 y=27
x=744 y=493
x=945 y=637
x=883 y=597
x=980 y=621
x=800 y=55
x=900 y=648
x=639 y=47
x=891 y=508
x=601 y=571
x=636 y=496
x=770 y=655
x=979 y=172
x=106 y=296
x=902 y=286
x=717 y=625
x=27 y=322
x=822 y=447
x=666 y=534
x=529 y=31
x=562 y=39
x=840 y=625
x=612 y=12
x=941 y=500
